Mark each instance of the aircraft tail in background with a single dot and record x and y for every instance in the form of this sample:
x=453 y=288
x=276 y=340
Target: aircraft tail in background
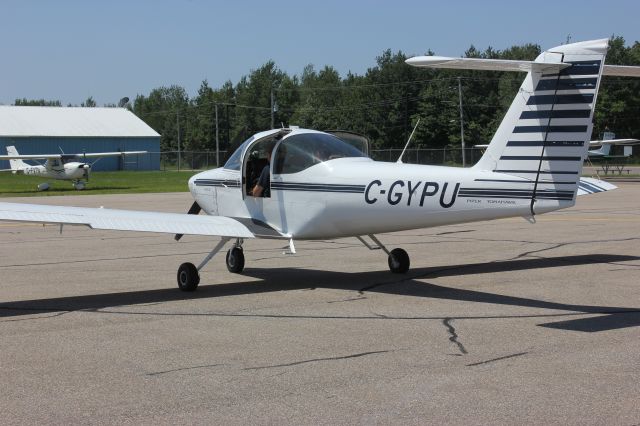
x=16 y=164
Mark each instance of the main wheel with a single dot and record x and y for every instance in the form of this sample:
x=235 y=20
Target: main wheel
x=399 y=261
x=235 y=260
x=188 y=277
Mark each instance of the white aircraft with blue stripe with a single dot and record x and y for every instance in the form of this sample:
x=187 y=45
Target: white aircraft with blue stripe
x=324 y=186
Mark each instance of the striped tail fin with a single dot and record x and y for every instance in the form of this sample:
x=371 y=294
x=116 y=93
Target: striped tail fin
x=544 y=137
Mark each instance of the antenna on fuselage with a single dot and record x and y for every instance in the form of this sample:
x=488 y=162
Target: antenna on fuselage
x=408 y=141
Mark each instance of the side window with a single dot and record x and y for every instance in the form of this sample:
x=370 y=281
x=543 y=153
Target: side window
x=301 y=151
x=291 y=158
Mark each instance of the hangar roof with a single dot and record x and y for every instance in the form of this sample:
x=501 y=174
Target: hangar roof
x=24 y=121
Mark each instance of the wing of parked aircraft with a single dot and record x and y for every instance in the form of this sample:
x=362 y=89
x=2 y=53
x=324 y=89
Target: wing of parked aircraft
x=126 y=220
x=67 y=156
x=615 y=142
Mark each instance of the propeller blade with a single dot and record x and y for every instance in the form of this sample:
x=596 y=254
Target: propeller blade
x=86 y=169
x=194 y=209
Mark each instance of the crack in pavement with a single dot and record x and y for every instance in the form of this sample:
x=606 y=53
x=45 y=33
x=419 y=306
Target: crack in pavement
x=59 y=314
x=69 y=262
x=497 y=359
x=374 y=316
x=157 y=373
x=291 y=364
x=454 y=336
x=352 y=299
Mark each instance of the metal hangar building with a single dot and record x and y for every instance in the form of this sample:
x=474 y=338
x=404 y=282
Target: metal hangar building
x=74 y=130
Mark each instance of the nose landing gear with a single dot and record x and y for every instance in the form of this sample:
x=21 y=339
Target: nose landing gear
x=398 y=259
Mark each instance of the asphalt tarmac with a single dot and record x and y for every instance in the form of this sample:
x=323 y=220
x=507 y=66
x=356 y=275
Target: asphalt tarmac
x=496 y=322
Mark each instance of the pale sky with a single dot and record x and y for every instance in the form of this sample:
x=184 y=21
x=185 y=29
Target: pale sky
x=69 y=50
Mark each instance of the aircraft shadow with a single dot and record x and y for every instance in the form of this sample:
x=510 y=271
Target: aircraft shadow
x=411 y=284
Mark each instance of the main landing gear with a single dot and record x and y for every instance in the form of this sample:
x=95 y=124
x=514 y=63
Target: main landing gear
x=188 y=273
x=398 y=258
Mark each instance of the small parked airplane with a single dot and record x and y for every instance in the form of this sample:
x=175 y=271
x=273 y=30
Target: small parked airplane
x=604 y=150
x=324 y=187
x=58 y=166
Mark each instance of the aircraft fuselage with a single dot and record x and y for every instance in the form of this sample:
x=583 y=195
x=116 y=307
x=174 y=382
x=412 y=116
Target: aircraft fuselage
x=357 y=196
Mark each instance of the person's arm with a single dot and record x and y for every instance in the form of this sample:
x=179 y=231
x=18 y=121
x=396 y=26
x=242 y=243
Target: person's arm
x=263 y=181
x=257 y=191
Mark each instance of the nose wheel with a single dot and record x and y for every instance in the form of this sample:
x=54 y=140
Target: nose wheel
x=399 y=261
x=398 y=258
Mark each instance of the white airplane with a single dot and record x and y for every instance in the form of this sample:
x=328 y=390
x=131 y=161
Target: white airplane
x=322 y=187
x=604 y=150
x=58 y=166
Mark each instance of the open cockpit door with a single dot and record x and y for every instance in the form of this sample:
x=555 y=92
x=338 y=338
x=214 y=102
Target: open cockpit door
x=254 y=157
x=358 y=141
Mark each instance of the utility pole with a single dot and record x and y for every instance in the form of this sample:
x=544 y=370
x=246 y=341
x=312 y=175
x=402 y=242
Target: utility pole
x=217 y=141
x=178 y=123
x=464 y=158
x=272 y=109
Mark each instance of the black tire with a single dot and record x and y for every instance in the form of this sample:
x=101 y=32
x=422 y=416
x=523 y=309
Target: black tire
x=235 y=260
x=188 y=277
x=399 y=261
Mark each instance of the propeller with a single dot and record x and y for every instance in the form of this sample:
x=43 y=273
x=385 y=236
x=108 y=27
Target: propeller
x=86 y=169
x=194 y=209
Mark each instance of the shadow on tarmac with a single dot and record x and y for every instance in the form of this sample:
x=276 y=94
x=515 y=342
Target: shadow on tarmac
x=411 y=284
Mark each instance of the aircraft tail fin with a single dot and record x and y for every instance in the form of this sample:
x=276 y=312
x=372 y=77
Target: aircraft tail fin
x=16 y=164
x=605 y=149
x=544 y=136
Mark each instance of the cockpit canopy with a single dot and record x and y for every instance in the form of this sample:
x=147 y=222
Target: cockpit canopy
x=298 y=151
x=303 y=150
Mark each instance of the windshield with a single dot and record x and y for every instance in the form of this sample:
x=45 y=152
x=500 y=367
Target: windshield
x=233 y=163
x=301 y=151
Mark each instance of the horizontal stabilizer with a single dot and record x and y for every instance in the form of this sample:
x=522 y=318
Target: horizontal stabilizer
x=125 y=220
x=621 y=71
x=591 y=186
x=485 y=64
x=510 y=65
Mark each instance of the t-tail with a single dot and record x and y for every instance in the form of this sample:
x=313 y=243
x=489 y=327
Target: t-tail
x=544 y=137
x=537 y=153
x=16 y=164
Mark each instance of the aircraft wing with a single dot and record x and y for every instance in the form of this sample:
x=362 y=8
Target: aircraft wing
x=125 y=220
x=108 y=154
x=615 y=142
x=30 y=157
x=591 y=186
x=60 y=156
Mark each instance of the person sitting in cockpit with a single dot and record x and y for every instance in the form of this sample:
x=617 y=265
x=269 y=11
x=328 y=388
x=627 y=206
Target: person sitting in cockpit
x=263 y=186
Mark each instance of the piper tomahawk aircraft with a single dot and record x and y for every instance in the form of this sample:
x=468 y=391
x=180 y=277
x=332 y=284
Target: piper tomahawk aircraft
x=58 y=166
x=323 y=187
